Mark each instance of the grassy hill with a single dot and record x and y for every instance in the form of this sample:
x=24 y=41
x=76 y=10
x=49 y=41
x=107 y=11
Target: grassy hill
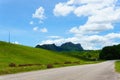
x=18 y=54
x=18 y=58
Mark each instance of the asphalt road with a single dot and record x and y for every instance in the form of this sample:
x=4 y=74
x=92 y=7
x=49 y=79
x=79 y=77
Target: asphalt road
x=100 y=71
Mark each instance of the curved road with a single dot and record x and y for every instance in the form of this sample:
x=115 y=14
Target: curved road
x=100 y=71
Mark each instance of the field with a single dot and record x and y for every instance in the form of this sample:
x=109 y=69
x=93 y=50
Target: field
x=90 y=55
x=18 y=58
x=117 y=66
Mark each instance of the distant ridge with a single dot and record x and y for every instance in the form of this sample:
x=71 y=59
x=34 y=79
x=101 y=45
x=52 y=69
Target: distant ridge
x=52 y=47
x=68 y=46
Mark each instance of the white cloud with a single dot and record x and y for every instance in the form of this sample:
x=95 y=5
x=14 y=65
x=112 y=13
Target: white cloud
x=92 y=28
x=16 y=42
x=61 y=9
x=85 y=7
x=98 y=20
x=106 y=15
x=57 y=41
x=113 y=35
x=44 y=30
x=101 y=14
x=39 y=13
x=31 y=22
x=54 y=37
x=35 y=28
x=88 y=42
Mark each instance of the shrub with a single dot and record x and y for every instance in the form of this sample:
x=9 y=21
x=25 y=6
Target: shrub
x=22 y=65
x=77 y=62
x=56 y=63
x=12 y=65
x=49 y=66
x=67 y=62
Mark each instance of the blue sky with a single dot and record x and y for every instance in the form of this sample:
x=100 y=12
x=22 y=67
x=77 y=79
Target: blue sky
x=32 y=22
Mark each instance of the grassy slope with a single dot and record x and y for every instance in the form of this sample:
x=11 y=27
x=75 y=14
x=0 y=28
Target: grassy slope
x=117 y=66
x=85 y=55
x=18 y=54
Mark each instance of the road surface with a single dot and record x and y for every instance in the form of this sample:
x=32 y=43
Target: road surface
x=100 y=71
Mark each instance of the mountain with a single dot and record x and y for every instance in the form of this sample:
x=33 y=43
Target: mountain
x=52 y=47
x=68 y=46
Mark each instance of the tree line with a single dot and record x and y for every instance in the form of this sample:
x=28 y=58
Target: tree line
x=110 y=52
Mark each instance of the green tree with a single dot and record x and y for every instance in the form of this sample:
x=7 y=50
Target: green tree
x=110 y=52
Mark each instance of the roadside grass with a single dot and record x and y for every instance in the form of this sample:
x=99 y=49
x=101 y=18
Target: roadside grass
x=117 y=66
x=28 y=57
x=11 y=70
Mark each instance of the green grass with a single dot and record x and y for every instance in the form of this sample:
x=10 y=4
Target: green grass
x=19 y=54
x=85 y=55
x=117 y=66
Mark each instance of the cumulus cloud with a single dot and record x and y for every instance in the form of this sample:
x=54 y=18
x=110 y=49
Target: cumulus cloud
x=88 y=42
x=57 y=41
x=44 y=30
x=92 y=28
x=39 y=14
x=37 y=29
x=54 y=37
x=101 y=15
x=113 y=35
x=31 y=22
x=16 y=42
x=61 y=9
